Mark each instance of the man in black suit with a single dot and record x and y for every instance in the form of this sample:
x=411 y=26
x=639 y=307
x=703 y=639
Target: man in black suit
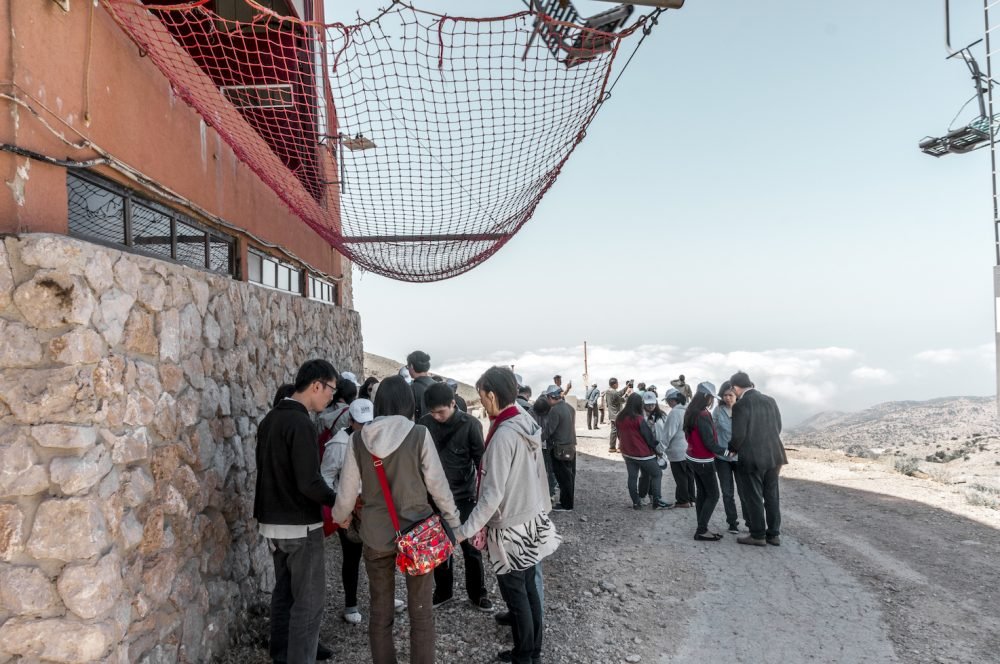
x=757 y=442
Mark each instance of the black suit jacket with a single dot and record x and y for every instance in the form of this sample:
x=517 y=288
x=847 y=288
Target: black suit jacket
x=757 y=432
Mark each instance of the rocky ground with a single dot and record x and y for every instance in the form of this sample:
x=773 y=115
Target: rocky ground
x=874 y=566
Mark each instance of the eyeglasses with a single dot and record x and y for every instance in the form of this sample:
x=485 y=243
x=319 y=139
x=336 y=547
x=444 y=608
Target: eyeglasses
x=328 y=386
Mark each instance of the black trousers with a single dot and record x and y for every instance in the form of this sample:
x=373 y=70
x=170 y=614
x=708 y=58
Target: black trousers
x=550 y=476
x=566 y=477
x=591 y=417
x=520 y=592
x=707 y=489
x=602 y=414
x=475 y=578
x=349 y=568
x=761 y=500
x=684 y=479
x=727 y=483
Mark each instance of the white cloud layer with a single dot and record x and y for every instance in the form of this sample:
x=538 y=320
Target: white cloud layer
x=943 y=356
x=809 y=377
x=873 y=375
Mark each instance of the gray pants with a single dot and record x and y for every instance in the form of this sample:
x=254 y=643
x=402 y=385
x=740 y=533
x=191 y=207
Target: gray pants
x=724 y=469
x=644 y=477
x=298 y=597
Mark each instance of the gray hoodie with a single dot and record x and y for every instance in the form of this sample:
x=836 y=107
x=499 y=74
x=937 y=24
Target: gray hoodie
x=412 y=473
x=514 y=489
x=676 y=441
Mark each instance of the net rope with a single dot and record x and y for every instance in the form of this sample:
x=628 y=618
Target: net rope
x=414 y=143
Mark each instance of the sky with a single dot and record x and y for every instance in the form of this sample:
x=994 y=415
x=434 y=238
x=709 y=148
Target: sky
x=752 y=197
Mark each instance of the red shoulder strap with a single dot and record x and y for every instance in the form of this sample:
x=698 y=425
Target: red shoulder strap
x=386 y=493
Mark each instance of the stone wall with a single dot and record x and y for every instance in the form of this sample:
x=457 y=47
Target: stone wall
x=130 y=389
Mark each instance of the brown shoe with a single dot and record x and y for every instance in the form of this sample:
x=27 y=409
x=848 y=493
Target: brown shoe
x=752 y=541
x=774 y=541
x=681 y=505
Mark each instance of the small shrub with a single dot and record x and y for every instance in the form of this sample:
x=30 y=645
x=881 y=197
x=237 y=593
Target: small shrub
x=982 y=500
x=907 y=465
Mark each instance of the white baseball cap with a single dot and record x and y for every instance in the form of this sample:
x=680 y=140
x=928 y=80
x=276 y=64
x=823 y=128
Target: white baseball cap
x=349 y=375
x=362 y=411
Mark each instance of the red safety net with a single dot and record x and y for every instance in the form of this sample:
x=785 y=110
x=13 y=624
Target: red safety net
x=414 y=143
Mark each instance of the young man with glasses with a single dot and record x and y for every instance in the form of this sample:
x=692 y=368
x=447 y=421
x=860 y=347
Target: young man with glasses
x=288 y=499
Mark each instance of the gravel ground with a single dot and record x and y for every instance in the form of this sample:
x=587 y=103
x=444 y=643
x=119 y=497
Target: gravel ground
x=873 y=567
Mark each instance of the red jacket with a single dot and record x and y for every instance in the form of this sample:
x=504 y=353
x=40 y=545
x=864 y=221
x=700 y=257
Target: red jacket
x=703 y=441
x=635 y=439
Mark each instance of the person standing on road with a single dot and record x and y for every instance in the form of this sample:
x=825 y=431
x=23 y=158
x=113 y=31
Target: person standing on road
x=638 y=448
x=593 y=396
x=418 y=365
x=410 y=460
x=601 y=407
x=511 y=515
x=676 y=450
x=561 y=429
x=723 y=418
x=680 y=384
x=557 y=379
x=288 y=497
x=615 y=400
x=757 y=441
x=459 y=440
x=703 y=445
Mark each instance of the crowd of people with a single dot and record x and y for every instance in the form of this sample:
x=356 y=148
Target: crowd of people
x=371 y=460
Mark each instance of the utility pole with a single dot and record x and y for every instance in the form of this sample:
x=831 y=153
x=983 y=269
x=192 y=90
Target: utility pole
x=586 y=372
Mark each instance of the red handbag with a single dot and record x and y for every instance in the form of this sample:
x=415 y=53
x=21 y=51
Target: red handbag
x=425 y=545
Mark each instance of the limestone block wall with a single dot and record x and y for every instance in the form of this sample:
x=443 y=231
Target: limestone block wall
x=130 y=391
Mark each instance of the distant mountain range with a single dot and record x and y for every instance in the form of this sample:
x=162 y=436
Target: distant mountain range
x=900 y=423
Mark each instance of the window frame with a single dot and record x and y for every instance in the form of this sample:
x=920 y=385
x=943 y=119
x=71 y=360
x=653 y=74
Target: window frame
x=129 y=198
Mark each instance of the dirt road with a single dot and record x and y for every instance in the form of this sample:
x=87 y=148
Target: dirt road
x=873 y=567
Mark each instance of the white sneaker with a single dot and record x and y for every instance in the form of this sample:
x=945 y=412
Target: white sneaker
x=353 y=616
x=399 y=605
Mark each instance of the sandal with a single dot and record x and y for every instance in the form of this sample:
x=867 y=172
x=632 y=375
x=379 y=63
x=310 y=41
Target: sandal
x=708 y=537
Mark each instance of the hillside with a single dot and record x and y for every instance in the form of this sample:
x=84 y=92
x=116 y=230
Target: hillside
x=955 y=439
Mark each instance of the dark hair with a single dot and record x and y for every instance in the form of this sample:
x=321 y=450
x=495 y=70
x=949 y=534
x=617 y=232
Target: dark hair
x=725 y=387
x=284 y=391
x=542 y=406
x=501 y=382
x=632 y=408
x=556 y=377
x=437 y=395
x=366 y=388
x=437 y=379
x=698 y=403
x=656 y=413
x=641 y=387
x=523 y=389
x=612 y=381
x=679 y=397
x=419 y=360
x=347 y=391
x=312 y=371
x=741 y=380
x=394 y=397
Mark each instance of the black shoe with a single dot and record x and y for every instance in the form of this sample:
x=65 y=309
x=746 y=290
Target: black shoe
x=734 y=529
x=637 y=506
x=483 y=604
x=437 y=602
x=560 y=508
x=504 y=619
x=505 y=656
x=661 y=505
x=323 y=653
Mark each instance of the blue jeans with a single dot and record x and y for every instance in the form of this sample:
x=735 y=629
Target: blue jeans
x=298 y=597
x=643 y=479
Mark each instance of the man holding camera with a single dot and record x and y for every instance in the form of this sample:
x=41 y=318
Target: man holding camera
x=615 y=401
